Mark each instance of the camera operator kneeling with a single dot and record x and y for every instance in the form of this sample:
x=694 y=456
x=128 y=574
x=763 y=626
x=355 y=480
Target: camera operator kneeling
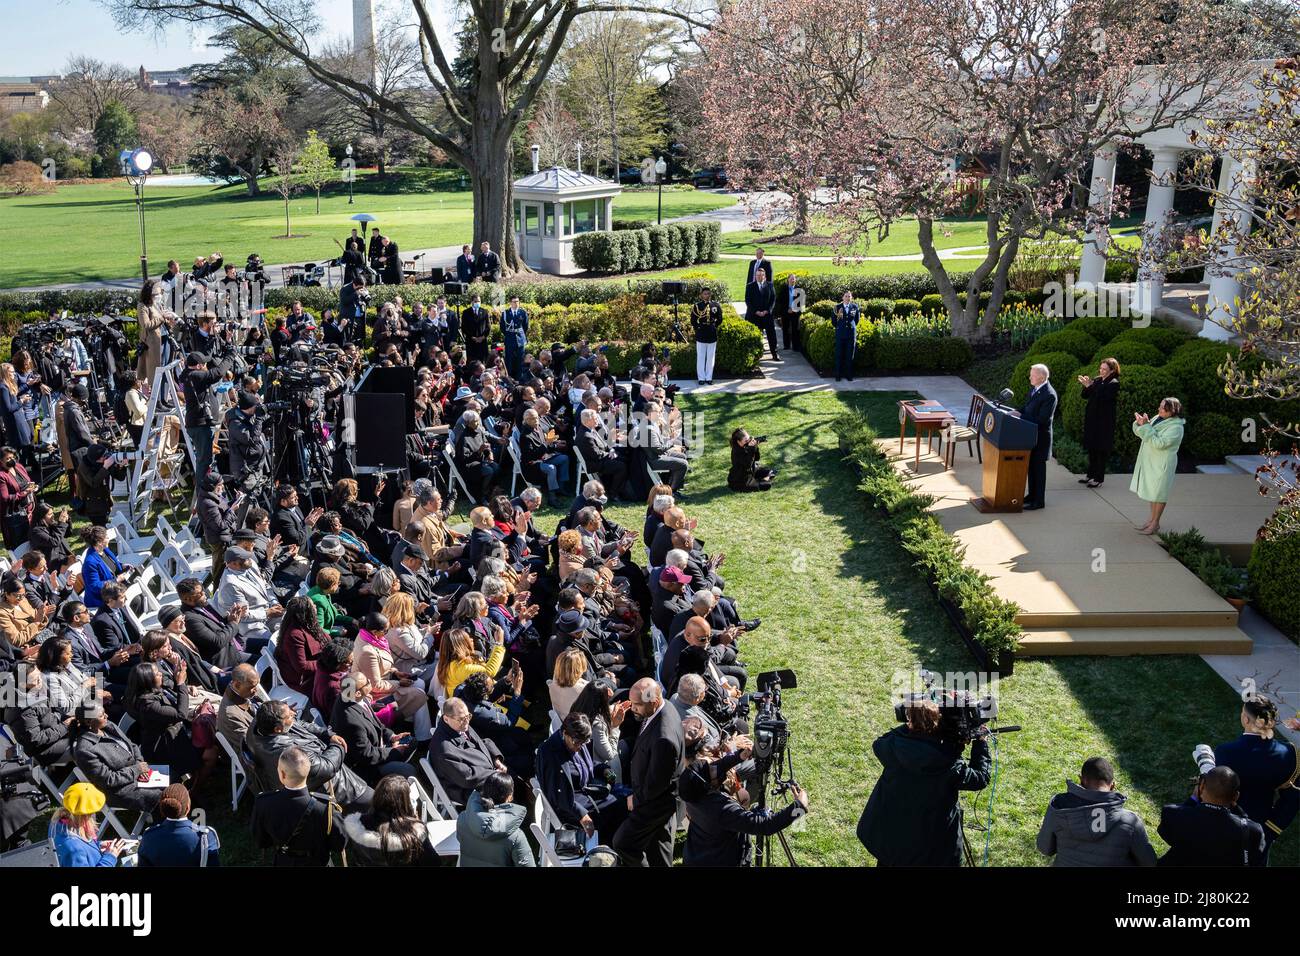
x=913 y=817
x=722 y=820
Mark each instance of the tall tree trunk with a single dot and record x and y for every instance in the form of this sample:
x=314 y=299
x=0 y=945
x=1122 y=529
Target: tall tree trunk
x=492 y=177
x=801 y=201
x=287 y=231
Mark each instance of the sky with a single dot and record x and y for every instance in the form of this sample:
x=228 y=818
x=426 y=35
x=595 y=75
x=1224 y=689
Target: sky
x=38 y=36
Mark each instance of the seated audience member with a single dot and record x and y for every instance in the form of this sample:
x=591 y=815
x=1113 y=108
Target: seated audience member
x=333 y=666
x=236 y=712
x=216 y=636
x=389 y=833
x=242 y=583
x=1088 y=825
x=571 y=557
x=321 y=594
x=65 y=685
x=373 y=750
x=722 y=698
x=298 y=823
x=458 y=657
x=111 y=761
x=177 y=840
x=691 y=691
x=670 y=601
x=180 y=662
x=98 y=566
x=581 y=790
x=88 y=654
x=460 y=757
x=567 y=680
x=42 y=731
x=300 y=643
x=20 y=620
x=276 y=728
x=745 y=473
x=1208 y=828
x=162 y=714
x=75 y=831
x=496 y=709
x=595 y=702
x=491 y=828
x=601 y=458
x=412 y=644
x=721 y=819
x=372 y=656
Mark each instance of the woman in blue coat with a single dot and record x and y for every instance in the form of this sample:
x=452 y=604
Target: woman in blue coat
x=14 y=408
x=75 y=834
x=99 y=567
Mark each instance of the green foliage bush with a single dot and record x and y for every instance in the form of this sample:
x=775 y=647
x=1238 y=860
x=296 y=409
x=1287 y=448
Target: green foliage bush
x=1103 y=328
x=1062 y=365
x=1076 y=342
x=823 y=309
x=1129 y=353
x=1072 y=456
x=740 y=346
x=877 y=309
x=1141 y=387
x=1165 y=338
x=954 y=354
x=1204 y=560
x=625 y=250
x=932 y=303
x=1273 y=570
x=820 y=346
x=905 y=307
x=1212 y=436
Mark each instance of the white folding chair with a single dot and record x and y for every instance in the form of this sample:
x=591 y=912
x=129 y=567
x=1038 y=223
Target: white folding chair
x=441 y=802
x=39 y=774
x=142 y=607
x=453 y=473
x=442 y=833
x=127 y=538
x=160 y=586
x=17 y=553
x=555 y=721
x=176 y=566
x=516 y=466
x=546 y=821
x=111 y=819
x=238 y=777
x=279 y=689
x=549 y=857
x=581 y=469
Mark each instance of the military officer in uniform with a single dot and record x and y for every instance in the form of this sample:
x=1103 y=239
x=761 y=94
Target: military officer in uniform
x=1267 y=768
x=514 y=328
x=706 y=316
x=303 y=827
x=846 y=318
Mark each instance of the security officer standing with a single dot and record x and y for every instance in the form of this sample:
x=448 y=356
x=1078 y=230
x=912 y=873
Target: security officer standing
x=760 y=303
x=488 y=266
x=196 y=382
x=846 y=318
x=477 y=324
x=1267 y=768
x=514 y=327
x=706 y=316
x=303 y=828
x=248 y=451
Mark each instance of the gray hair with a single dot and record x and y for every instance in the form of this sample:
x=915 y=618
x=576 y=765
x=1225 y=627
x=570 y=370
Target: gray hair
x=455 y=707
x=585 y=576
x=1041 y=369
x=592 y=489
x=491 y=567
x=531 y=494
x=691 y=689
x=676 y=558
x=470 y=416
x=492 y=586
x=589 y=417
x=384 y=581
x=662 y=503
x=423 y=489
x=704 y=597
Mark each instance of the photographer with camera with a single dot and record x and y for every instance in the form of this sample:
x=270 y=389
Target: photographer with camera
x=745 y=474
x=151 y=319
x=249 y=453
x=197 y=381
x=354 y=299
x=718 y=805
x=913 y=816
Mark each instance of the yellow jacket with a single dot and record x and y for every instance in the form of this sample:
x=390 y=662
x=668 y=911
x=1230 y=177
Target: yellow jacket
x=457 y=671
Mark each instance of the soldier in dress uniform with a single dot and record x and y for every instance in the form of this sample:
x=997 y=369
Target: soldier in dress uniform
x=846 y=318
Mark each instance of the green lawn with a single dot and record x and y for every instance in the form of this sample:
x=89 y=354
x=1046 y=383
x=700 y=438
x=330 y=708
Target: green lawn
x=949 y=234
x=91 y=232
x=733 y=271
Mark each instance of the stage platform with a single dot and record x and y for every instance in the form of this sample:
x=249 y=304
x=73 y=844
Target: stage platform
x=1087 y=581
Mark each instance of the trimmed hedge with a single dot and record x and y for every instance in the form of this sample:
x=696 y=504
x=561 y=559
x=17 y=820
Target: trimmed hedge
x=888 y=285
x=648 y=248
x=990 y=618
x=1212 y=436
x=1075 y=341
x=1164 y=338
x=1129 y=353
x=1101 y=327
x=922 y=352
x=820 y=339
x=1274 y=569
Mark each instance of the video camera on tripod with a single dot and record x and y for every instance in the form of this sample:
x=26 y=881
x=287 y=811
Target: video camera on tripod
x=963 y=714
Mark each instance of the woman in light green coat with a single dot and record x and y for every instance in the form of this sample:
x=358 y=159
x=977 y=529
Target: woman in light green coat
x=1157 y=460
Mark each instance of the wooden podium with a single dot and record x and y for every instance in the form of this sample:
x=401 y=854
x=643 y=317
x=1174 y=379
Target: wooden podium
x=1006 y=441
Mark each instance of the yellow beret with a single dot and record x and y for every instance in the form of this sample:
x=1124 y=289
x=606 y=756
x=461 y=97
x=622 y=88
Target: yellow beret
x=83 y=799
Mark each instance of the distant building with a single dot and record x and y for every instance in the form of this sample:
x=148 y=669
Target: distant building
x=170 y=82
x=22 y=94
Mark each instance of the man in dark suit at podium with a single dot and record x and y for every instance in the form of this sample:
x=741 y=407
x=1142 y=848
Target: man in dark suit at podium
x=1039 y=408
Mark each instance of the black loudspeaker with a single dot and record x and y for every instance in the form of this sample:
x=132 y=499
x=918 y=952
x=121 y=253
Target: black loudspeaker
x=380 y=437
x=674 y=288
x=455 y=288
x=399 y=380
x=437 y=275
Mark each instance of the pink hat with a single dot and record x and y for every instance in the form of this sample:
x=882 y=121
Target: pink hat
x=671 y=574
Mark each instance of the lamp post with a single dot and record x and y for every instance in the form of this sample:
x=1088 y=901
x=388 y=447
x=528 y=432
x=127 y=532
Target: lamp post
x=138 y=166
x=661 y=169
x=352 y=172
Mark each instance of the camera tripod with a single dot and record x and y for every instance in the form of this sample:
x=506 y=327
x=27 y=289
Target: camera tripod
x=780 y=767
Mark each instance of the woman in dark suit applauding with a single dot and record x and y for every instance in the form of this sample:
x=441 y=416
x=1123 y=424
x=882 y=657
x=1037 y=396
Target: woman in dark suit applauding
x=1099 y=419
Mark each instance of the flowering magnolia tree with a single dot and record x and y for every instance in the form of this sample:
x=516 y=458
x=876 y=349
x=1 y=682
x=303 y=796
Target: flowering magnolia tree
x=890 y=98
x=1258 y=239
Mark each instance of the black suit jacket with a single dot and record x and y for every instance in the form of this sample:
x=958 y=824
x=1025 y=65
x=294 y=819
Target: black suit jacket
x=656 y=764
x=760 y=300
x=369 y=741
x=768 y=267
x=291 y=526
x=465 y=268
x=461 y=761
x=216 y=640
x=1040 y=408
